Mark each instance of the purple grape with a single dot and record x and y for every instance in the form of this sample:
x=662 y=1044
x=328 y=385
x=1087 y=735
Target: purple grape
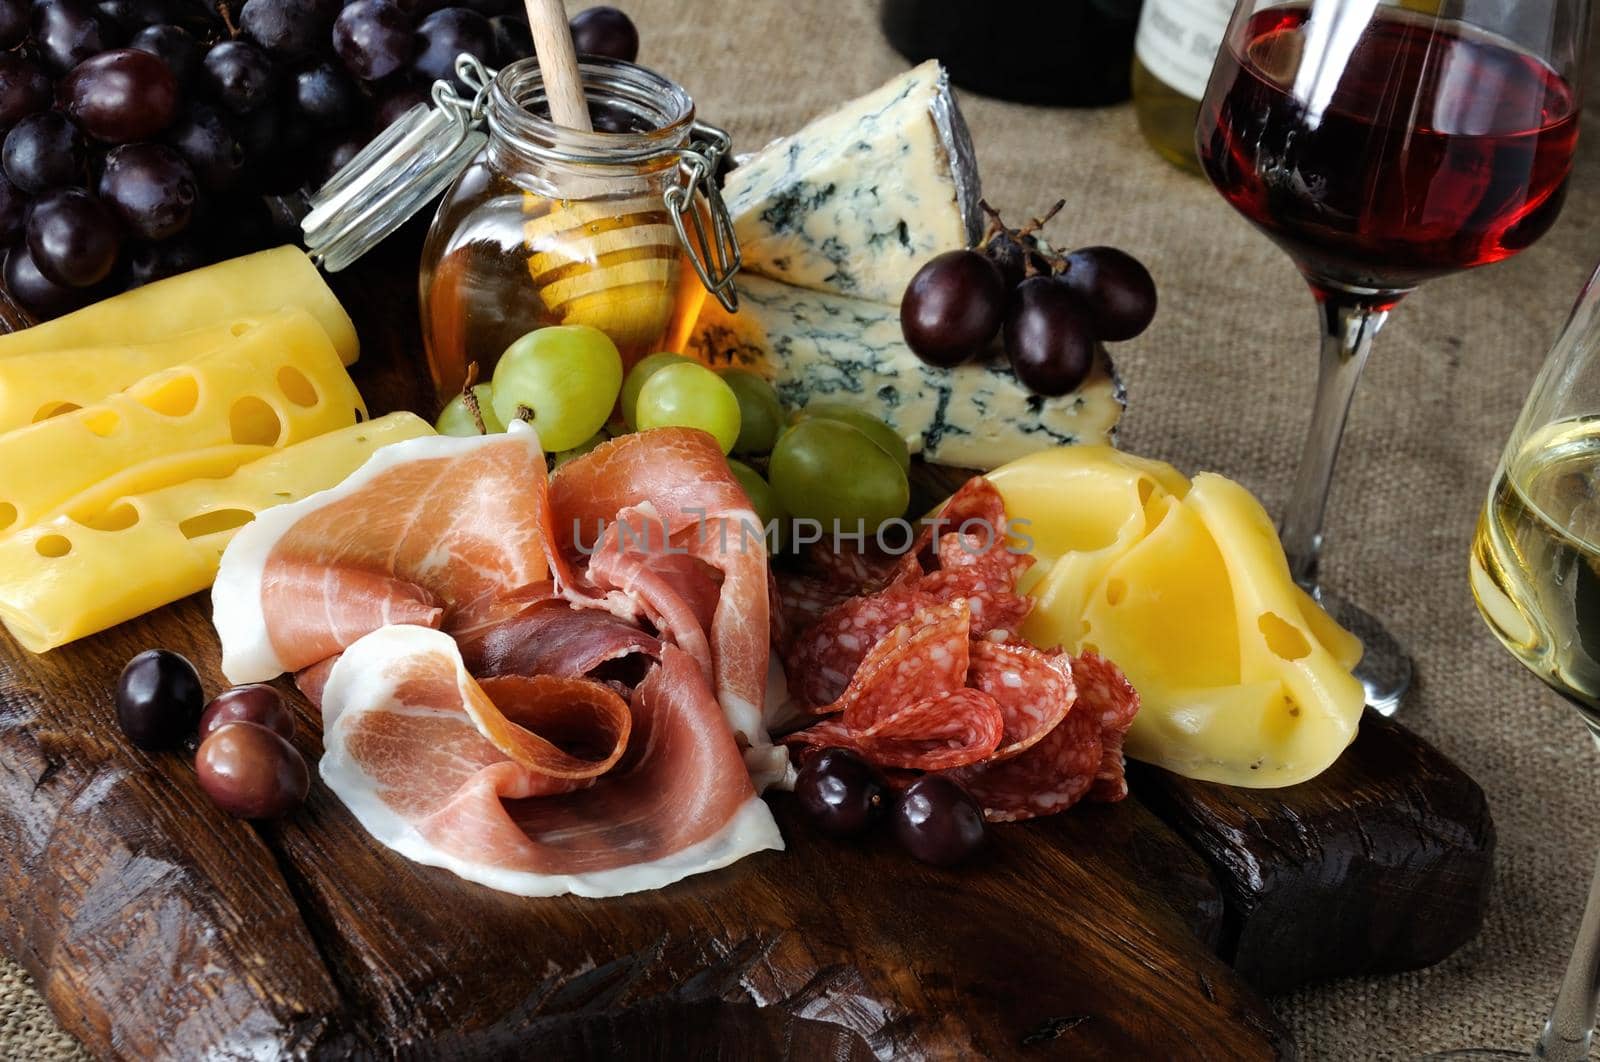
x=840 y=792
x=938 y=821
x=607 y=32
x=43 y=151
x=339 y=155
x=72 y=237
x=373 y=39
x=241 y=75
x=13 y=209
x=131 y=15
x=157 y=261
x=121 y=96
x=512 y=39
x=327 y=97
x=396 y=104
x=174 y=46
x=1049 y=336
x=953 y=307
x=68 y=32
x=444 y=35
x=291 y=29
x=204 y=139
x=1117 y=288
x=24 y=90
x=13 y=22
x=37 y=293
x=150 y=188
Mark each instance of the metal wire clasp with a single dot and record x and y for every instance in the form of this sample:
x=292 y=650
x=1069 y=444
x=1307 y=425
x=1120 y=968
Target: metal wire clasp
x=716 y=257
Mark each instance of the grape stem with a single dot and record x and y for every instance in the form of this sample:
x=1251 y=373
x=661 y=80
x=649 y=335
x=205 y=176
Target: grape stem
x=470 y=400
x=227 y=19
x=525 y=413
x=998 y=227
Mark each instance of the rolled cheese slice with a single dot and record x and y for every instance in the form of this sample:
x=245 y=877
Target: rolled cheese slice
x=240 y=288
x=274 y=385
x=105 y=560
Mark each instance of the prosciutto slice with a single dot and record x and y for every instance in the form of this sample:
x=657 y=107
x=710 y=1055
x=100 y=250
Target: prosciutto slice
x=519 y=792
x=500 y=698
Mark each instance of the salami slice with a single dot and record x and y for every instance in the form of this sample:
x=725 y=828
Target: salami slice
x=924 y=657
x=1034 y=691
x=1105 y=692
x=947 y=730
x=1051 y=776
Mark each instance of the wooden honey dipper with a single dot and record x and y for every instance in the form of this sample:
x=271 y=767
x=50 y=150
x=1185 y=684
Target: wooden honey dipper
x=630 y=288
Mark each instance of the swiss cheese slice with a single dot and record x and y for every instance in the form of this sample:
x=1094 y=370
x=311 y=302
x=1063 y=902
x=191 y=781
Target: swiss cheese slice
x=252 y=286
x=276 y=384
x=1242 y=678
x=110 y=557
x=45 y=384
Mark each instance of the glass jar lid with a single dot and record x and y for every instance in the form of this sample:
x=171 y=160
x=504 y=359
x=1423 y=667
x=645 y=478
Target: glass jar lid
x=418 y=156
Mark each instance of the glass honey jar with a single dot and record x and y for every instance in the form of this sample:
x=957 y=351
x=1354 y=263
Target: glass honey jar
x=616 y=228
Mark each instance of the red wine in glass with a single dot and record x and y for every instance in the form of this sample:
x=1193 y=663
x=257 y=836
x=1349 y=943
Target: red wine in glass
x=1436 y=147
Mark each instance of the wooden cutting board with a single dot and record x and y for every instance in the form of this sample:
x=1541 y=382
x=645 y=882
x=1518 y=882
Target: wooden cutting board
x=157 y=927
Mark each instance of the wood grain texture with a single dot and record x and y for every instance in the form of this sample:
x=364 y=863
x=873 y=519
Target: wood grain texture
x=1382 y=863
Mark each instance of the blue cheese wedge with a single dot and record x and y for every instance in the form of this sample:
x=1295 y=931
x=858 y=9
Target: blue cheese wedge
x=857 y=201
x=814 y=346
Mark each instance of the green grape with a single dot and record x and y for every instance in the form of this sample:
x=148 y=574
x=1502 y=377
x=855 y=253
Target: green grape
x=762 y=498
x=827 y=470
x=456 y=418
x=567 y=375
x=875 y=429
x=760 y=412
x=642 y=370
x=689 y=396
x=582 y=448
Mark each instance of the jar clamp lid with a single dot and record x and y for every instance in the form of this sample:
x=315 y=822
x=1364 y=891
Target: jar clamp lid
x=417 y=157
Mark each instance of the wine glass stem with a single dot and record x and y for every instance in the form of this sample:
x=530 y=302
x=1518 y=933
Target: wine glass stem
x=1348 y=327
x=1571 y=1023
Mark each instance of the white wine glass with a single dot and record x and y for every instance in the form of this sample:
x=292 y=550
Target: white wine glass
x=1535 y=570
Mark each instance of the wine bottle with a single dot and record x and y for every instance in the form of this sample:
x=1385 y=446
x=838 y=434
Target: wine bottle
x=1173 y=51
x=1062 y=52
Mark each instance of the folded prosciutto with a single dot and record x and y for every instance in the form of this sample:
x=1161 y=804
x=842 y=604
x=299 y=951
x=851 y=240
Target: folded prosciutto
x=544 y=687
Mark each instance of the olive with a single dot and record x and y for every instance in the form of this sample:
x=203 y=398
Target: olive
x=158 y=699
x=938 y=821
x=842 y=794
x=256 y=703
x=251 y=772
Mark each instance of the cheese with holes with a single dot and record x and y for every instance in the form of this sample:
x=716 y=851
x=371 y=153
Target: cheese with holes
x=274 y=385
x=112 y=556
x=817 y=346
x=1243 y=678
x=217 y=295
x=857 y=201
x=44 y=384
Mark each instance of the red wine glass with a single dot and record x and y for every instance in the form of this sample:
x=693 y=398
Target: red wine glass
x=1381 y=145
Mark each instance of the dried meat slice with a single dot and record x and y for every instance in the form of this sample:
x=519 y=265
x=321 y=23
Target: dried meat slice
x=1106 y=693
x=682 y=475
x=552 y=637
x=435 y=531
x=1033 y=690
x=1051 y=776
x=407 y=752
x=940 y=732
x=924 y=657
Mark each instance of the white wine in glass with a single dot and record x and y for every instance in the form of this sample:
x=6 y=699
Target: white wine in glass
x=1535 y=571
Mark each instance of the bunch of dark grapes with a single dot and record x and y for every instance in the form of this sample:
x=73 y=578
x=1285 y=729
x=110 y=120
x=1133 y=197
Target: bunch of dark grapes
x=143 y=138
x=1051 y=311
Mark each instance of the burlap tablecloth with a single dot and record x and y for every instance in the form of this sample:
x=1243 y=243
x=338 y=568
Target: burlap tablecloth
x=1223 y=381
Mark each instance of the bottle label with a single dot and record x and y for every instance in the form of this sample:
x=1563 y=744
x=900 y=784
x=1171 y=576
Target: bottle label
x=1178 y=41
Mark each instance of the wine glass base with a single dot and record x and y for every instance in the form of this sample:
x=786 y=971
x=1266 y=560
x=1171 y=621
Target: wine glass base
x=1385 y=668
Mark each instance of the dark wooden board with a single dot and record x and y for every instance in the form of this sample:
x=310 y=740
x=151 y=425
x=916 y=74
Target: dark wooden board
x=160 y=928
